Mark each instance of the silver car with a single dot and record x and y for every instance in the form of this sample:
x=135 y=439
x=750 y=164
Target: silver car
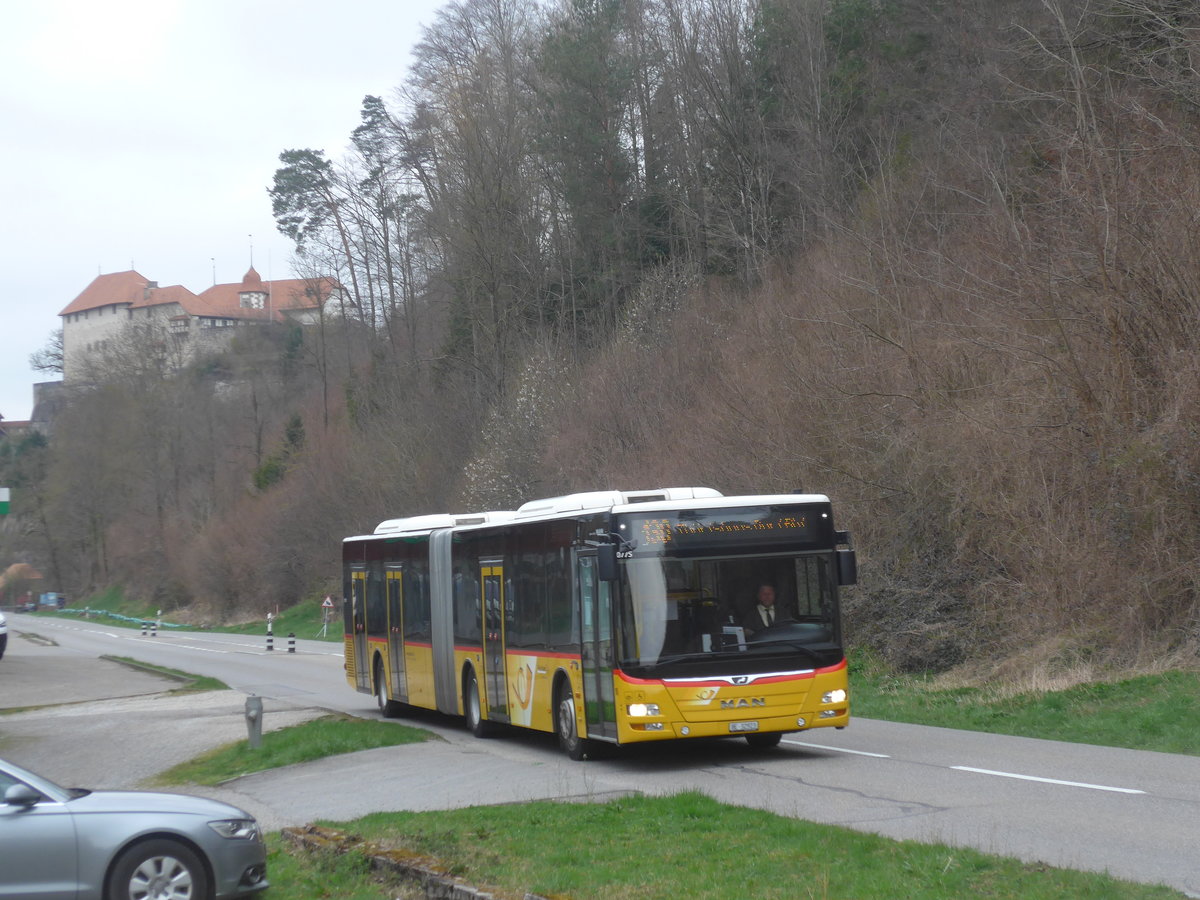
x=71 y=844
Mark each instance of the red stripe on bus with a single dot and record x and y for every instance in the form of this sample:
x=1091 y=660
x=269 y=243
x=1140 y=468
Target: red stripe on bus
x=772 y=679
x=383 y=642
x=516 y=651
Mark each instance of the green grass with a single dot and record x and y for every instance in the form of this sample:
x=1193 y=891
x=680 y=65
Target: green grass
x=298 y=875
x=688 y=845
x=1148 y=712
x=114 y=600
x=328 y=736
x=302 y=620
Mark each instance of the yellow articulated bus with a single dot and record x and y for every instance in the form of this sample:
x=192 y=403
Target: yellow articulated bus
x=608 y=617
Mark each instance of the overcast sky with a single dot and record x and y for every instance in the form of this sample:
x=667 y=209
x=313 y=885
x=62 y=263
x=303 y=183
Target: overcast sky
x=145 y=133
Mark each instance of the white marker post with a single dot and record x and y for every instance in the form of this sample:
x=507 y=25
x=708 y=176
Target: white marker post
x=326 y=612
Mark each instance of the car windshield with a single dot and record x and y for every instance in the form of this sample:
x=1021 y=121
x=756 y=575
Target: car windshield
x=779 y=610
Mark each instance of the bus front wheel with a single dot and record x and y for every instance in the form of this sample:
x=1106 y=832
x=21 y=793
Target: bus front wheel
x=568 y=734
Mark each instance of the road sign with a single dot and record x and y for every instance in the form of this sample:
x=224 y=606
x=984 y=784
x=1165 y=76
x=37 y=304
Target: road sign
x=328 y=603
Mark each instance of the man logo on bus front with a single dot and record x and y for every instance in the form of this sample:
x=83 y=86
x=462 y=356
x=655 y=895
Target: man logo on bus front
x=741 y=679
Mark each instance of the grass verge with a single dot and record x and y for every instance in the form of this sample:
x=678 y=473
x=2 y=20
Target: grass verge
x=300 y=875
x=1148 y=712
x=327 y=736
x=688 y=845
x=189 y=684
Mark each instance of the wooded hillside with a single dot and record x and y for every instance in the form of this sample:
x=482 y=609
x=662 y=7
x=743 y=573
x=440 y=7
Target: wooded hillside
x=938 y=260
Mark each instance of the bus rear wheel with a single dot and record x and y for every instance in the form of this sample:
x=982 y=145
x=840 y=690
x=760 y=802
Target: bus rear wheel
x=472 y=707
x=387 y=708
x=568 y=734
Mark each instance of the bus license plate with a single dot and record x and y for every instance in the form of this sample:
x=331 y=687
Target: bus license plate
x=743 y=726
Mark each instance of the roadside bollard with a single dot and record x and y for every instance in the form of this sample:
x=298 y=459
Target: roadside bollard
x=254 y=714
x=270 y=641
x=145 y=627
x=291 y=642
x=270 y=632
x=154 y=629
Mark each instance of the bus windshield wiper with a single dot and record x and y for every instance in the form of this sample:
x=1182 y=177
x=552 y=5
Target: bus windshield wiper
x=795 y=645
x=679 y=657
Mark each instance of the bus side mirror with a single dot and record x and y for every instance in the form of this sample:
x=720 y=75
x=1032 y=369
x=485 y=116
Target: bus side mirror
x=606 y=562
x=847 y=567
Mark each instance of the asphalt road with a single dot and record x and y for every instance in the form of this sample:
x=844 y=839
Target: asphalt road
x=1131 y=813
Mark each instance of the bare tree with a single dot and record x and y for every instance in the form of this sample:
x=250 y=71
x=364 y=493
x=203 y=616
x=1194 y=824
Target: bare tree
x=49 y=359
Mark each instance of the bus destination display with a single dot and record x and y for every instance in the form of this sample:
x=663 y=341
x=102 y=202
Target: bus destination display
x=699 y=529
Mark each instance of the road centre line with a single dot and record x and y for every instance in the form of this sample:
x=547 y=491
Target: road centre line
x=838 y=749
x=155 y=642
x=1078 y=784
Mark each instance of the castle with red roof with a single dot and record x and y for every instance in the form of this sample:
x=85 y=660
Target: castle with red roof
x=97 y=318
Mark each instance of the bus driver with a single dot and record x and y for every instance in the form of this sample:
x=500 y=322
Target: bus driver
x=764 y=613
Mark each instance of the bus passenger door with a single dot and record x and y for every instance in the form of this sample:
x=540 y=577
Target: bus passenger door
x=494 y=675
x=358 y=612
x=395 y=604
x=595 y=602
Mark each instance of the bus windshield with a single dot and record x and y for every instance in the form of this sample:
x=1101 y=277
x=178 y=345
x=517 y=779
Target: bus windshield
x=708 y=613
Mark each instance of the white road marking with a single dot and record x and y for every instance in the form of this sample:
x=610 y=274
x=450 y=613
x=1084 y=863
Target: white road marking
x=838 y=749
x=191 y=647
x=1078 y=784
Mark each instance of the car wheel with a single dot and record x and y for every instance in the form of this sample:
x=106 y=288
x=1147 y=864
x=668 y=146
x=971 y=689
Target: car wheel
x=568 y=735
x=764 y=741
x=473 y=709
x=3 y=644
x=158 y=870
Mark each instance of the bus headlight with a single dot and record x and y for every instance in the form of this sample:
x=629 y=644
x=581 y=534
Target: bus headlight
x=643 y=709
x=838 y=696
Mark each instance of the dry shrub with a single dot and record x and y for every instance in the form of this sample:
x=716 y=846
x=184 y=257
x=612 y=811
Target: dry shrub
x=990 y=364
x=991 y=369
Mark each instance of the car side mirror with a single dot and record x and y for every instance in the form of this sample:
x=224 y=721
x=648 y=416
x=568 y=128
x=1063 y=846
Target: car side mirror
x=21 y=795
